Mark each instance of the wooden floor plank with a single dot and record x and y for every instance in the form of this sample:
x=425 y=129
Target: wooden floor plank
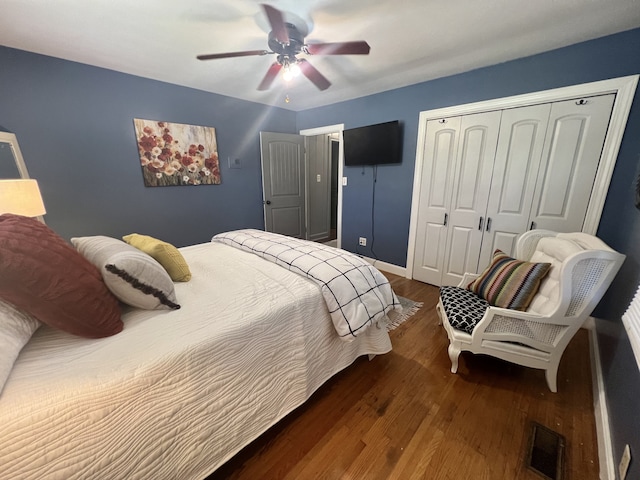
x=404 y=415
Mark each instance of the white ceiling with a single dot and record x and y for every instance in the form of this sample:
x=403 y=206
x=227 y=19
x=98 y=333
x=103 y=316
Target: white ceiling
x=411 y=40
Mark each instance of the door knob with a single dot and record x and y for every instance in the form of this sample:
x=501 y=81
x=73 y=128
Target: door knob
x=267 y=202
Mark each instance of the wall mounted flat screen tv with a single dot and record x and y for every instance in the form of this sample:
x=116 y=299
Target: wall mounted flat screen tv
x=373 y=144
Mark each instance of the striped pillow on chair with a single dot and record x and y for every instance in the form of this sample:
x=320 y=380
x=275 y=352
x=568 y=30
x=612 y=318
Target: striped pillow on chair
x=509 y=283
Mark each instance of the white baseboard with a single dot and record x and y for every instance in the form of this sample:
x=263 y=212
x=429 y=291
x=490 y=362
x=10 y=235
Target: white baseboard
x=387 y=267
x=600 y=411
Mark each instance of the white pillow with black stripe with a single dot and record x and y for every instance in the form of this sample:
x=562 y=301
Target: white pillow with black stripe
x=131 y=275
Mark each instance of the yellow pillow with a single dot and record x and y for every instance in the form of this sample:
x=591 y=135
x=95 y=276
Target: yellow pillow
x=164 y=253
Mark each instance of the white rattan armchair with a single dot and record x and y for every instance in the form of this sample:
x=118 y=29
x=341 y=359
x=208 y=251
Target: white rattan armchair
x=582 y=268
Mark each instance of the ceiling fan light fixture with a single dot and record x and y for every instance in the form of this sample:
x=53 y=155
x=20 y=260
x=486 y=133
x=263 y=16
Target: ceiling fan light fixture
x=294 y=68
x=290 y=69
x=286 y=40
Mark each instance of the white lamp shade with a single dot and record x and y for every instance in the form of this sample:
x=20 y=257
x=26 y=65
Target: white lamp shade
x=22 y=197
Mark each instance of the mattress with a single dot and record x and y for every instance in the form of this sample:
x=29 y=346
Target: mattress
x=177 y=393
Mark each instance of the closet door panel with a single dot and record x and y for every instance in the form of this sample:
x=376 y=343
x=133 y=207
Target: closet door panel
x=464 y=243
x=575 y=137
x=504 y=241
x=517 y=161
x=472 y=178
x=439 y=153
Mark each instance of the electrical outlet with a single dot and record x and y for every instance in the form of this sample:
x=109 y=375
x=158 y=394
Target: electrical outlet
x=623 y=466
x=363 y=242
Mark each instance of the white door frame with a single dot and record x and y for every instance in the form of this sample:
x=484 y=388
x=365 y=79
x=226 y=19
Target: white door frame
x=623 y=87
x=338 y=128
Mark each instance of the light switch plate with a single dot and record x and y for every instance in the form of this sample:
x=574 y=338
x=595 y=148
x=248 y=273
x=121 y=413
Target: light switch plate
x=235 y=163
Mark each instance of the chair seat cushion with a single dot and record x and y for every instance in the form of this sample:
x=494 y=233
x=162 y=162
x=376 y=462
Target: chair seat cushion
x=464 y=309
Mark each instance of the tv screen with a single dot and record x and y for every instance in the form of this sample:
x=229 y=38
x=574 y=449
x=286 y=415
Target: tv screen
x=373 y=144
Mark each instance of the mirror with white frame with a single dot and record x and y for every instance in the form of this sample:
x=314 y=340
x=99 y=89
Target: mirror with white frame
x=11 y=161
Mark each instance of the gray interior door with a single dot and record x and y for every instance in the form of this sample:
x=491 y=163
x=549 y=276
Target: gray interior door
x=283 y=183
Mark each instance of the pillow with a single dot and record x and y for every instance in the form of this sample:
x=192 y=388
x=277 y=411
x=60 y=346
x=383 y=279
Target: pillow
x=131 y=275
x=44 y=276
x=16 y=328
x=166 y=254
x=509 y=283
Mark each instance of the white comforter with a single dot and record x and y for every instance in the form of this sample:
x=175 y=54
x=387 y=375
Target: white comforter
x=177 y=393
x=357 y=294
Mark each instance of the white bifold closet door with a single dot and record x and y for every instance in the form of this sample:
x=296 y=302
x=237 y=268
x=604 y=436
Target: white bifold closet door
x=440 y=147
x=515 y=171
x=575 y=137
x=459 y=153
x=477 y=143
x=488 y=177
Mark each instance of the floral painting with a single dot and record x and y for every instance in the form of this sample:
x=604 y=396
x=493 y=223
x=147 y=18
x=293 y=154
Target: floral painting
x=177 y=154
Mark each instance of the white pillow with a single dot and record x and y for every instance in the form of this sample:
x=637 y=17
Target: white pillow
x=16 y=328
x=131 y=275
x=555 y=251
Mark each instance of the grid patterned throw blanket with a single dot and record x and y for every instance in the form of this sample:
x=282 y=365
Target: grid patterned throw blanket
x=356 y=293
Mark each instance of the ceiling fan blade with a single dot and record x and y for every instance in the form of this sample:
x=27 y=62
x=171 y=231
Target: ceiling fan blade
x=271 y=75
x=247 y=53
x=276 y=20
x=314 y=75
x=339 y=48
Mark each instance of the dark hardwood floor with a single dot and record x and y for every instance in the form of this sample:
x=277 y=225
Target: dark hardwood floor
x=403 y=415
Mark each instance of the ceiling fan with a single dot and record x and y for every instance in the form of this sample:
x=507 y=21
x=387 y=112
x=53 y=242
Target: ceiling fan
x=286 y=41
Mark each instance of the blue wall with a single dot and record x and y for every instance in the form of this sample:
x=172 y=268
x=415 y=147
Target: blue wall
x=75 y=127
x=620 y=227
x=74 y=124
x=608 y=57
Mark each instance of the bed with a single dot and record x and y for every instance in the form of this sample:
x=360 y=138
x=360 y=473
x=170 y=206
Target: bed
x=179 y=391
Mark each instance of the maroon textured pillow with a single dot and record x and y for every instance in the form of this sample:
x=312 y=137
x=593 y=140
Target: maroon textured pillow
x=43 y=275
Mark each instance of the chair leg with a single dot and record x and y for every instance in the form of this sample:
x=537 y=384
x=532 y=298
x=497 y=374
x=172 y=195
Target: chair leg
x=454 y=353
x=439 y=312
x=551 y=374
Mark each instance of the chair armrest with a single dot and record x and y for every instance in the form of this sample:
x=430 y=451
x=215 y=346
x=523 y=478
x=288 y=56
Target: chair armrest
x=467 y=278
x=541 y=332
x=518 y=316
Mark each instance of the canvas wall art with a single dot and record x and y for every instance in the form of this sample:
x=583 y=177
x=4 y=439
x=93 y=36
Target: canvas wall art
x=174 y=154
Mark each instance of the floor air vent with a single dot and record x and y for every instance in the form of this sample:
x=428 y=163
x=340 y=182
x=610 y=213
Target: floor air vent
x=545 y=453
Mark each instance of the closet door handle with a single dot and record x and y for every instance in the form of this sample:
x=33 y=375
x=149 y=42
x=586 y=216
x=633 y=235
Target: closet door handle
x=446 y=217
x=480 y=223
x=488 y=223
x=533 y=226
